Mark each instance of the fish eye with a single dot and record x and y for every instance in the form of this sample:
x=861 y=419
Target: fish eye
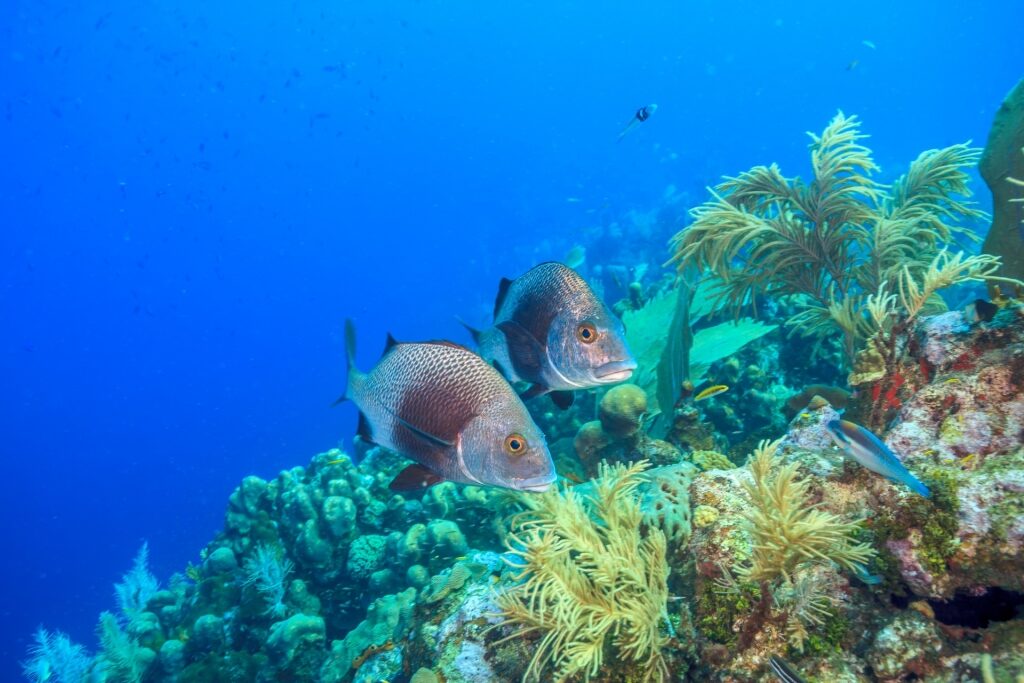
x=586 y=333
x=515 y=444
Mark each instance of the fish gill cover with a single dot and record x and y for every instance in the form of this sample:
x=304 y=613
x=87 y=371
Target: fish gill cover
x=195 y=196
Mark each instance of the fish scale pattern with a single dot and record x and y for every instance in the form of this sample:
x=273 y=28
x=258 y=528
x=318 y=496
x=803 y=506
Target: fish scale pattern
x=546 y=282
x=434 y=370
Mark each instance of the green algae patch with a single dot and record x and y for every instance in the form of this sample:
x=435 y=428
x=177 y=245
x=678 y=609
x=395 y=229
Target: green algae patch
x=828 y=637
x=935 y=518
x=717 y=611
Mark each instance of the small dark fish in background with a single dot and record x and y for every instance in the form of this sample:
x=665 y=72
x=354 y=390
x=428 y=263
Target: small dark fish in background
x=783 y=671
x=867 y=449
x=980 y=310
x=836 y=396
x=444 y=407
x=552 y=331
x=852 y=65
x=641 y=115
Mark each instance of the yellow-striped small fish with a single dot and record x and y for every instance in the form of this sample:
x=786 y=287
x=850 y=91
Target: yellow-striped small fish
x=711 y=391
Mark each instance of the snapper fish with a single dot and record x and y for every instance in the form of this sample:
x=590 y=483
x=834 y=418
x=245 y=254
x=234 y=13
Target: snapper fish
x=442 y=406
x=867 y=449
x=551 y=331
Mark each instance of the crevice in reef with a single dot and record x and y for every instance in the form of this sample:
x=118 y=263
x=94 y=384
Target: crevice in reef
x=978 y=611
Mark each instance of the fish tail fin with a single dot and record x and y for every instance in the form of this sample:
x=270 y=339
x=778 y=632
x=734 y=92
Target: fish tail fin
x=350 y=361
x=918 y=487
x=473 y=332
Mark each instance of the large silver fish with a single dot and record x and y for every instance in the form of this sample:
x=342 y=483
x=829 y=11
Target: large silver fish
x=552 y=331
x=867 y=449
x=444 y=407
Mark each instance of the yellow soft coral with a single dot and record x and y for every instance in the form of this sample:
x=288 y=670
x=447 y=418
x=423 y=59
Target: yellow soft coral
x=588 y=573
x=790 y=575
x=786 y=530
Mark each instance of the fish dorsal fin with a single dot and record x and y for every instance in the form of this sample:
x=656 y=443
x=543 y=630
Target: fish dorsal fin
x=449 y=344
x=415 y=477
x=390 y=343
x=502 y=293
x=525 y=352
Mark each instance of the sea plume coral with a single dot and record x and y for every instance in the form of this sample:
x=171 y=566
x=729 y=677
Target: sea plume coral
x=786 y=530
x=268 y=571
x=55 y=657
x=588 y=574
x=122 y=658
x=136 y=587
x=836 y=241
x=795 y=546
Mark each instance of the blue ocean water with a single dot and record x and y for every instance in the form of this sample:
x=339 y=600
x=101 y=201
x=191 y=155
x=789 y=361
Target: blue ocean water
x=194 y=196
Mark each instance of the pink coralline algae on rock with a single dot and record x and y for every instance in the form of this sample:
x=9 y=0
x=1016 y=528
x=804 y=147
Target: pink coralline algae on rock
x=965 y=430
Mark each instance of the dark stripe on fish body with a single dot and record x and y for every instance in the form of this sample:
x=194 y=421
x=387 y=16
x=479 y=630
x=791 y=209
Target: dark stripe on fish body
x=431 y=454
x=436 y=410
x=535 y=299
x=423 y=395
x=532 y=302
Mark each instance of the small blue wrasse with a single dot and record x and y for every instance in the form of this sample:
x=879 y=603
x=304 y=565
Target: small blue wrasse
x=867 y=449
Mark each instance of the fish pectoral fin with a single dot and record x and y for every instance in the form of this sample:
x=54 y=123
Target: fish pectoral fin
x=473 y=332
x=364 y=430
x=534 y=391
x=415 y=477
x=525 y=352
x=426 y=436
x=563 y=399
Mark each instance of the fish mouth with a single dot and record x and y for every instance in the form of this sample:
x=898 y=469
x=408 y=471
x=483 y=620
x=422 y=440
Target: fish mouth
x=615 y=372
x=536 y=485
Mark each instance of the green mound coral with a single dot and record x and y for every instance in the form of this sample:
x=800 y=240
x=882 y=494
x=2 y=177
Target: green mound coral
x=711 y=460
x=451 y=580
x=1002 y=167
x=838 y=243
x=387 y=622
x=622 y=409
x=588 y=576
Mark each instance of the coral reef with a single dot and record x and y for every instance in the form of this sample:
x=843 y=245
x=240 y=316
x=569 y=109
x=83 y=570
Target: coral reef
x=706 y=568
x=620 y=435
x=683 y=560
x=945 y=561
